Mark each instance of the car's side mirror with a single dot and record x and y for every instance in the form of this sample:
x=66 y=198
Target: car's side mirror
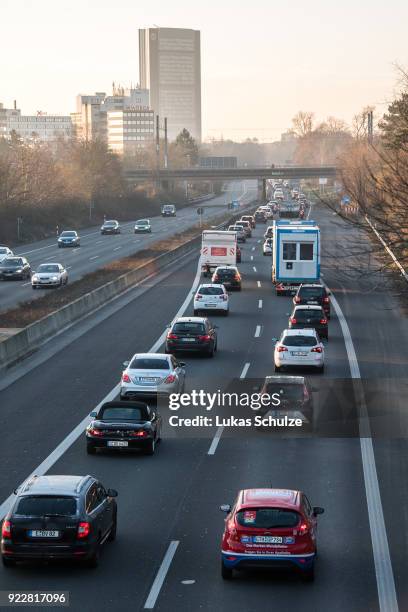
x=274 y=339
x=112 y=493
x=93 y=414
x=329 y=293
x=182 y=364
x=225 y=508
x=317 y=510
x=125 y=364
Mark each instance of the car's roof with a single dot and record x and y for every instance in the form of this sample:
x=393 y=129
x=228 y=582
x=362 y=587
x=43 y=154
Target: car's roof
x=143 y=221
x=150 y=356
x=314 y=285
x=50 y=263
x=54 y=485
x=299 y=332
x=111 y=221
x=226 y=267
x=307 y=307
x=291 y=380
x=218 y=285
x=190 y=320
x=281 y=498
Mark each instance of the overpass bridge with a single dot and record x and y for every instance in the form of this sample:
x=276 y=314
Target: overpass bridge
x=231 y=174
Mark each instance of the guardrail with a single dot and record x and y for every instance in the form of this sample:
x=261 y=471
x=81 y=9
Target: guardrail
x=387 y=248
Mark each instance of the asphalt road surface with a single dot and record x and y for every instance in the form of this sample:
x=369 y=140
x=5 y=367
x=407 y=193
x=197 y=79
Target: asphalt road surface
x=167 y=553
x=97 y=250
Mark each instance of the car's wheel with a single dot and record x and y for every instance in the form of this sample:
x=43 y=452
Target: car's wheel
x=226 y=313
x=309 y=575
x=196 y=313
x=239 y=288
x=277 y=368
x=61 y=282
x=93 y=560
x=321 y=369
x=226 y=572
x=8 y=562
x=149 y=450
x=211 y=353
x=34 y=286
x=90 y=449
x=112 y=533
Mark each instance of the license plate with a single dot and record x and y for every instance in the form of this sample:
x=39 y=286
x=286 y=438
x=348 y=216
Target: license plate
x=312 y=302
x=43 y=533
x=268 y=540
x=298 y=354
x=210 y=305
x=188 y=339
x=117 y=443
x=147 y=379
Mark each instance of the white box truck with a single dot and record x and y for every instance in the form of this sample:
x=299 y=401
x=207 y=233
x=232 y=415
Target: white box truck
x=295 y=256
x=218 y=248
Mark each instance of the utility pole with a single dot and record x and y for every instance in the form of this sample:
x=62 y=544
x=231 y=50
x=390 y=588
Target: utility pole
x=158 y=151
x=370 y=127
x=19 y=224
x=166 y=159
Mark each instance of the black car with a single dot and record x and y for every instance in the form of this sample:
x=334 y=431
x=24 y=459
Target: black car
x=227 y=276
x=313 y=295
x=195 y=334
x=260 y=216
x=295 y=395
x=110 y=227
x=310 y=317
x=68 y=239
x=15 y=268
x=124 y=426
x=59 y=517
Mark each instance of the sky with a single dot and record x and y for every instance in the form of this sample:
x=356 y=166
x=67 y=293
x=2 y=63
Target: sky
x=262 y=61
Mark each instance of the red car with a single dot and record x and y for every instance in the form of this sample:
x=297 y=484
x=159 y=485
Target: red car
x=238 y=255
x=270 y=528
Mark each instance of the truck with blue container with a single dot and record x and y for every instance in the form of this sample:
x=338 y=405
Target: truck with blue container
x=295 y=255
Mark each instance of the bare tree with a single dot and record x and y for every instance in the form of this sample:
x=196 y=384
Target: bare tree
x=303 y=123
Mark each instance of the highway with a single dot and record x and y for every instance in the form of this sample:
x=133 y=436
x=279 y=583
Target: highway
x=97 y=250
x=169 y=523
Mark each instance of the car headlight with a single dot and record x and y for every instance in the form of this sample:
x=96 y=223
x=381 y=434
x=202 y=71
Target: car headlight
x=35 y=277
x=19 y=271
x=54 y=278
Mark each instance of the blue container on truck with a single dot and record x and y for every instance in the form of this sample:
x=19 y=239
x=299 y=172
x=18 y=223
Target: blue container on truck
x=296 y=255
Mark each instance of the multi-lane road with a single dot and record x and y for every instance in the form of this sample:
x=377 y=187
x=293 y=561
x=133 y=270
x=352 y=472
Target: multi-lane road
x=167 y=554
x=97 y=250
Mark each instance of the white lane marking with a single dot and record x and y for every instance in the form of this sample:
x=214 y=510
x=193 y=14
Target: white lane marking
x=80 y=428
x=98 y=241
x=252 y=258
x=387 y=597
x=244 y=370
x=257 y=331
x=253 y=248
x=254 y=268
x=117 y=248
x=215 y=441
x=94 y=257
x=188 y=582
x=161 y=575
x=68 y=267
x=259 y=241
x=260 y=304
x=258 y=283
x=25 y=284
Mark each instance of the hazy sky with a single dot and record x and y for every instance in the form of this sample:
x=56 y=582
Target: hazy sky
x=262 y=60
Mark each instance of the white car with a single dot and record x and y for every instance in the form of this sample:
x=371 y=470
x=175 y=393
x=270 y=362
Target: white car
x=267 y=247
x=49 y=275
x=211 y=297
x=5 y=252
x=150 y=375
x=300 y=348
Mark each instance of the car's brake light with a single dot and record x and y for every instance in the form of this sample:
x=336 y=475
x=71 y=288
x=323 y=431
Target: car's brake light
x=198 y=296
x=323 y=321
x=6 y=529
x=95 y=432
x=305 y=394
x=303 y=529
x=139 y=434
x=126 y=378
x=205 y=338
x=83 y=530
x=171 y=336
x=237 y=277
x=215 y=279
x=282 y=349
x=224 y=297
x=293 y=320
x=169 y=379
x=326 y=300
x=297 y=299
x=316 y=349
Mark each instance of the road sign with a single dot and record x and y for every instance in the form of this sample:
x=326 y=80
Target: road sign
x=200 y=211
x=322 y=181
x=345 y=200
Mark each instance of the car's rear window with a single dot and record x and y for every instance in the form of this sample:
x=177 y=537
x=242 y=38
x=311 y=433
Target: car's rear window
x=286 y=392
x=123 y=414
x=307 y=292
x=189 y=328
x=211 y=291
x=267 y=518
x=225 y=272
x=145 y=363
x=312 y=315
x=40 y=505
x=299 y=341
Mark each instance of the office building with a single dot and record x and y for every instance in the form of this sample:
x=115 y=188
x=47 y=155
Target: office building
x=31 y=128
x=129 y=130
x=170 y=68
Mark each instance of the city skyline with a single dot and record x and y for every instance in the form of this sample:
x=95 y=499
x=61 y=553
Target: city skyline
x=260 y=64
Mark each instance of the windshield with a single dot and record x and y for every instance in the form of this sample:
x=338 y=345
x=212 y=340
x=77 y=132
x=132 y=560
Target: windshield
x=148 y=363
x=120 y=413
x=110 y=223
x=143 y=222
x=12 y=262
x=3 y=250
x=47 y=505
x=48 y=268
x=68 y=234
x=267 y=518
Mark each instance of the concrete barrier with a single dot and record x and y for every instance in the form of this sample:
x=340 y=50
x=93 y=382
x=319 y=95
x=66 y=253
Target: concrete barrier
x=26 y=341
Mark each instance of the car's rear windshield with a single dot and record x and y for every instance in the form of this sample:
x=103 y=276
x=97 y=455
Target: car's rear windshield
x=225 y=272
x=267 y=518
x=120 y=413
x=312 y=315
x=68 y=234
x=13 y=261
x=211 y=291
x=311 y=292
x=189 y=328
x=286 y=392
x=48 y=268
x=299 y=341
x=145 y=363
x=40 y=505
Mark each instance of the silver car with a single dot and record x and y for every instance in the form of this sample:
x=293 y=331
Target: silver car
x=49 y=275
x=152 y=374
x=5 y=252
x=143 y=225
